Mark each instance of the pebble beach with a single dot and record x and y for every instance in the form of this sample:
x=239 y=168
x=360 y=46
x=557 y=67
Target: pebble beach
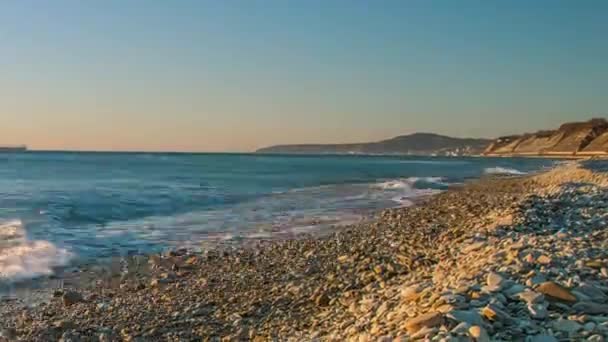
x=498 y=259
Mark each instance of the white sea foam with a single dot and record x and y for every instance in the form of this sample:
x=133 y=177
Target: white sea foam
x=503 y=171
x=408 y=183
x=395 y=184
x=22 y=259
x=407 y=189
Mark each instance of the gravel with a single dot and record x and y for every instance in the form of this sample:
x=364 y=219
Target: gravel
x=510 y=259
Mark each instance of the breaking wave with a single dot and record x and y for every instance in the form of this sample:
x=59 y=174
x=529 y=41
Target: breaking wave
x=22 y=259
x=405 y=191
x=413 y=182
x=503 y=171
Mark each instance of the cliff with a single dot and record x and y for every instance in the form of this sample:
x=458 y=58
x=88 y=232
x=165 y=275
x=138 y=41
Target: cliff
x=414 y=144
x=570 y=139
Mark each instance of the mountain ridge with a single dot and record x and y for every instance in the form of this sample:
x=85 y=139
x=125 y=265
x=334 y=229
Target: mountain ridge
x=417 y=143
x=572 y=139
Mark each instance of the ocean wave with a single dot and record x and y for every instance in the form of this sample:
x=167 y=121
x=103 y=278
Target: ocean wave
x=405 y=191
x=22 y=259
x=412 y=182
x=434 y=162
x=503 y=171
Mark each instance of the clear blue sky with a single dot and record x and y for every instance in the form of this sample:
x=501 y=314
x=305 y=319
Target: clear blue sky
x=236 y=75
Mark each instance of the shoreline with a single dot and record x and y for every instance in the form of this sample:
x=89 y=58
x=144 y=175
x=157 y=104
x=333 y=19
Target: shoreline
x=368 y=281
x=85 y=275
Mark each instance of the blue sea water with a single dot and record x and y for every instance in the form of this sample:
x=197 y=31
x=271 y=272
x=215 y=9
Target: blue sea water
x=58 y=208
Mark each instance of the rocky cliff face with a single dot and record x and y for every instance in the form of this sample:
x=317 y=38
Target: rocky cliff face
x=598 y=146
x=571 y=139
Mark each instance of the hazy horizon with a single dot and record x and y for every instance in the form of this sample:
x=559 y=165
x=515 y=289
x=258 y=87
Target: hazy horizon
x=235 y=76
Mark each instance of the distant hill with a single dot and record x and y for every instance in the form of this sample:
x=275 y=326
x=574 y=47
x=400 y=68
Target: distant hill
x=413 y=144
x=589 y=138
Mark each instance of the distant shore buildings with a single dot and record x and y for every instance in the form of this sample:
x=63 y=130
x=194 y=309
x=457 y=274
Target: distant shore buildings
x=13 y=148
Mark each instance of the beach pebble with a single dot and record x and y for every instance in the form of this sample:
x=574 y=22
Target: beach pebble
x=495 y=281
x=71 y=298
x=556 y=291
x=493 y=313
x=479 y=334
x=567 y=326
x=461 y=328
x=428 y=320
x=591 y=308
x=531 y=297
x=541 y=338
x=538 y=311
x=8 y=333
x=469 y=317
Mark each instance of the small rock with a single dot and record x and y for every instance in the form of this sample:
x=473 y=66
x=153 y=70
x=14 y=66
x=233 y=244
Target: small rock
x=593 y=293
x=535 y=280
x=69 y=337
x=541 y=338
x=597 y=264
x=411 y=293
x=461 y=328
x=64 y=324
x=543 y=260
x=591 y=308
x=495 y=281
x=424 y=332
x=589 y=326
x=596 y=338
x=72 y=297
x=531 y=297
x=191 y=260
x=479 y=334
x=470 y=317
x=538 y=311
x=9 y=334
x=473 y=247
x=567 y=326
x=158 y=282
x=428 y=320
x=107 y=336
x=322 y=300
x=493 y=313
x=556 y=291
x=514 y=290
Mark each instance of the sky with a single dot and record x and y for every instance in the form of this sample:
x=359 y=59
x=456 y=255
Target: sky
x=238 y=75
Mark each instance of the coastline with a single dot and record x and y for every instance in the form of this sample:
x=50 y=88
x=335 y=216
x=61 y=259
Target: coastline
x=417 y=271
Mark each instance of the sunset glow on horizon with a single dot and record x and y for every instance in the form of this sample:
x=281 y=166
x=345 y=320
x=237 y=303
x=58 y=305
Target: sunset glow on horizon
x=240 y=75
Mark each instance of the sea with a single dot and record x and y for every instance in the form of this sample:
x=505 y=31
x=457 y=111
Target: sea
x=60 y=209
